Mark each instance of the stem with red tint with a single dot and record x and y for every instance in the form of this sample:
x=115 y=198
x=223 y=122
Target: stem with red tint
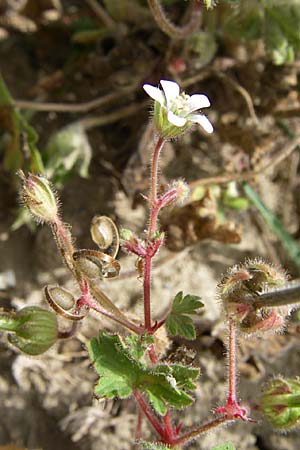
x=149 y=414
x=154 y=210
x=192 y=435
x=232 y=363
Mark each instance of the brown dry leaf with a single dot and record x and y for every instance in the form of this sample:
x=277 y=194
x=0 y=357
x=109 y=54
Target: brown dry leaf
x=197 y=221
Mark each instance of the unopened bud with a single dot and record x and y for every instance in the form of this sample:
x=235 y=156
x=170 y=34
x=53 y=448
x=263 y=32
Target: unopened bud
x=39 y=197
x=280 y=403
x=34 y=330
x=130 y=243
x=126 y=235
x=182 y=189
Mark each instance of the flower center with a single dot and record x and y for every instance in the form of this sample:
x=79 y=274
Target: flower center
x=180 y=105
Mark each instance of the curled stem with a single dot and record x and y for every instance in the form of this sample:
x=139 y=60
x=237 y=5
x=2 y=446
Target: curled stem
x=168 y=27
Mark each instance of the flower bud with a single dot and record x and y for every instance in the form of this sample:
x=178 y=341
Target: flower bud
x=280 y=403
x=39 y=197
x=182 y=189
x=34 y=329
x=242 y=285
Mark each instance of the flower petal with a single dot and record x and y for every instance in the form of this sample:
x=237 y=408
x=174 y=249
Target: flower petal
x=198 y=101
x=176 y=120
x=171 y=90
x=155 y=93
x=203 y=121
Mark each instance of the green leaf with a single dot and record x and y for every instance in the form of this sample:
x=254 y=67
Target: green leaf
x=118 y=371
x=183 y=375
x=17 y=135
x=225 y=446
x=120 y=374
x=68 y=151
x=152 y=446
x=138 y=345
x=292 y=247
x=179 y=322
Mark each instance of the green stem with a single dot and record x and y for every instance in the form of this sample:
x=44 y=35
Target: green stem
x=8 y=322
x=282 y=297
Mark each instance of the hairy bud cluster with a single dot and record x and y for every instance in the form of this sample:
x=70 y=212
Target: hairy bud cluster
x=239 y=289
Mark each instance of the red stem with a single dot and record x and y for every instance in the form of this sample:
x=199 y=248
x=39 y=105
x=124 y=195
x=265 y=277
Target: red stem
x=232 y=362
x=154 y=210
x=149 y=414
x=192 y=435
x=169 y=432
x=87 y=300
x=153 y=189
x=147 y=288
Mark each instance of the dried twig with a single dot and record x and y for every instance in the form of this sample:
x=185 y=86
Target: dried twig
x=101 y=13
x=77 y=107
x=246 y=176
x=168 y=27
x=96 y=121
x=244 y=93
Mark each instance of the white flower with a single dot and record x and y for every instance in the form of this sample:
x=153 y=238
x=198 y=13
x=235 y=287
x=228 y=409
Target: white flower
x=177 y=109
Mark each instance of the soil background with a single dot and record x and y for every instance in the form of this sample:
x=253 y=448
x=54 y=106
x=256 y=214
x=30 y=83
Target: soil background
x=47 y=402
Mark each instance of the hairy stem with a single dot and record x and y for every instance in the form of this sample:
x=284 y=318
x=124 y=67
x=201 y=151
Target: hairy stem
x=281 y=297
x=192 y=435
x=154 y=210
x=89 y=301
x=168 y=27
x=232 y=363
x=149 y=414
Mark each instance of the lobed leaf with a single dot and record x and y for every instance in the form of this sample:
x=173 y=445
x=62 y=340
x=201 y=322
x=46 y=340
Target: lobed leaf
x=120 y=374
x=179 y=322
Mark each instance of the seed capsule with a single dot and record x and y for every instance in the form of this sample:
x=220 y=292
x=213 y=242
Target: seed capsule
x=63 y=298
x=105 y=234
x=96 y=265
x=36 y=330
x=280 y=403
x=62 y=301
